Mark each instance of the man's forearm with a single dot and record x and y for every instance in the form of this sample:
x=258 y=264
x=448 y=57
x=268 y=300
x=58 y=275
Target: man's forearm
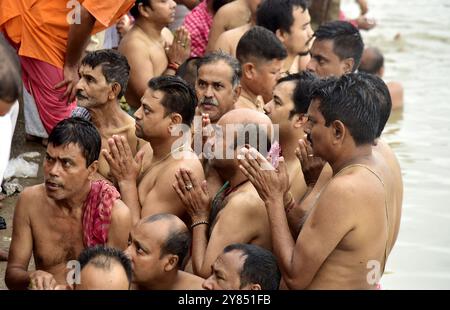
x=130 y=196
x=17 y=278
x=79 y=35
x=199 y=245
x=282 y=242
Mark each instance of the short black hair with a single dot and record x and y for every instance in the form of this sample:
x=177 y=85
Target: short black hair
x=10 y=74
x=352 y=100
x=382 y=97
x=278 y=14
x=178 y=239
x=134 y=11
x=374 y=63
x=179 y=96
x=260 y=44
x=115 y=66
x=303 y=91
x=188 y=70
x=217 y=56
x=260 y=266
x=347 y=40
x=101 y=257
x=80 y=132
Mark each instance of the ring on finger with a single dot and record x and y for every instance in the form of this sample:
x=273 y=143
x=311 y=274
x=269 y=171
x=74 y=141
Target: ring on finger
x=188 y=187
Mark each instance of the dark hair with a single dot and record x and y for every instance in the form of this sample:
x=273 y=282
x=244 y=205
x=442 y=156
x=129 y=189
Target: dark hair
x=80 y=132
x=302 y=92
x=352 y=100
x=278 y=14
x=232 y=62
x=188 y=70
x=260 y=44
x=373 y=62
x=382 y=97
x=115 y=66
x=10 y=76
x=178 y=239
x=260 y=266
x=179 y=96
x=101 y=257
x=134 y=11
x=347 y=40
x=217 y=4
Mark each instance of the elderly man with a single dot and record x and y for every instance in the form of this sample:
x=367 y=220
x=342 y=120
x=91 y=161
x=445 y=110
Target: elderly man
x=336 y=245
x=56 y=220
x=244 y=267
x=158 y=246
x=103 y=81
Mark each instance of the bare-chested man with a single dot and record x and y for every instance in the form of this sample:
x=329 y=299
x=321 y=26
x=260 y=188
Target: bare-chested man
x=158 y=246
x=236 y=213
x=228 y=41
x=290 y=21
x=348 y=230
x=145 y=46
x=103 y=81
x=372 y=62
x=261 y=55
x=230 y=16
x=288 y=110
x=168 y=103
x=54 y=221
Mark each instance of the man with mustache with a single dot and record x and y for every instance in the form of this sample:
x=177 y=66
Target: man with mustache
x=56 y=220
x=103 y=81
x=150 y=47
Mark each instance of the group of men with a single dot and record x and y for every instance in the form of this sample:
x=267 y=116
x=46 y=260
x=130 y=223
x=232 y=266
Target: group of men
x=138 y=209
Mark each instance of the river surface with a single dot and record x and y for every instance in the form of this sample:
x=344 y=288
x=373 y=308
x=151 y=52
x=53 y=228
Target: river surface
x=419 y=134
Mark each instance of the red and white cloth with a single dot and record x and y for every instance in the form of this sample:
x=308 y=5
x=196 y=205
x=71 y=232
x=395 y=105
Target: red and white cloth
x=97 y=213
x=198 y=22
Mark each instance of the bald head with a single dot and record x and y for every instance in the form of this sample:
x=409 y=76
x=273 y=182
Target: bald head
x=372 y=61
x=172 y=232
x=251 y=127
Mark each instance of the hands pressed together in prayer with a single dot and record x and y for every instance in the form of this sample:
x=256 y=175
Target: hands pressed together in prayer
x=180 y=50
x=124 y=166
x=194 y=195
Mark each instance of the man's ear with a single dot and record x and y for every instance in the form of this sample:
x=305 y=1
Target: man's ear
x=339 y=132
x=252 y=287
x=299 y=120
x=236 y=93
x=92 y=169
x=115 y=91
x=347 y=65
x=171 y=262
x=175 y=119
x=143 y=10
x=281 y=35
x=248 y=70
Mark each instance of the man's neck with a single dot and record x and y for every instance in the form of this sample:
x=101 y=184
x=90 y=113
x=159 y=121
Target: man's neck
x=288 y=62
x=151 y=29
x=162 y=148
x=288 y=146
x=72 y=204
x=167 y=282
x=355 y=155
x=106 y=115
x=248 y=94
x=233 y=175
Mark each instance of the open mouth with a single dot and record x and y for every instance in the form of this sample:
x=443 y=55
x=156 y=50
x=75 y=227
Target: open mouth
x=52 y=186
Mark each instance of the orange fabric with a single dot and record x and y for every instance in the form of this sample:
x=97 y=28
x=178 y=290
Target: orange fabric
x=41 y=29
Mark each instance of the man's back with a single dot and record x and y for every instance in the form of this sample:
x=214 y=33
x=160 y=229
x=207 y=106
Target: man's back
x=147 y=59
x=230 y=16
x=229 y=40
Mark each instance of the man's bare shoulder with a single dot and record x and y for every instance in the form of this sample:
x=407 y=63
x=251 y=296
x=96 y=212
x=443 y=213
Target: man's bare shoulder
x=33 y=193
x=246 y=201
x=190 y=281
x=120 y=210
x=132 y=40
